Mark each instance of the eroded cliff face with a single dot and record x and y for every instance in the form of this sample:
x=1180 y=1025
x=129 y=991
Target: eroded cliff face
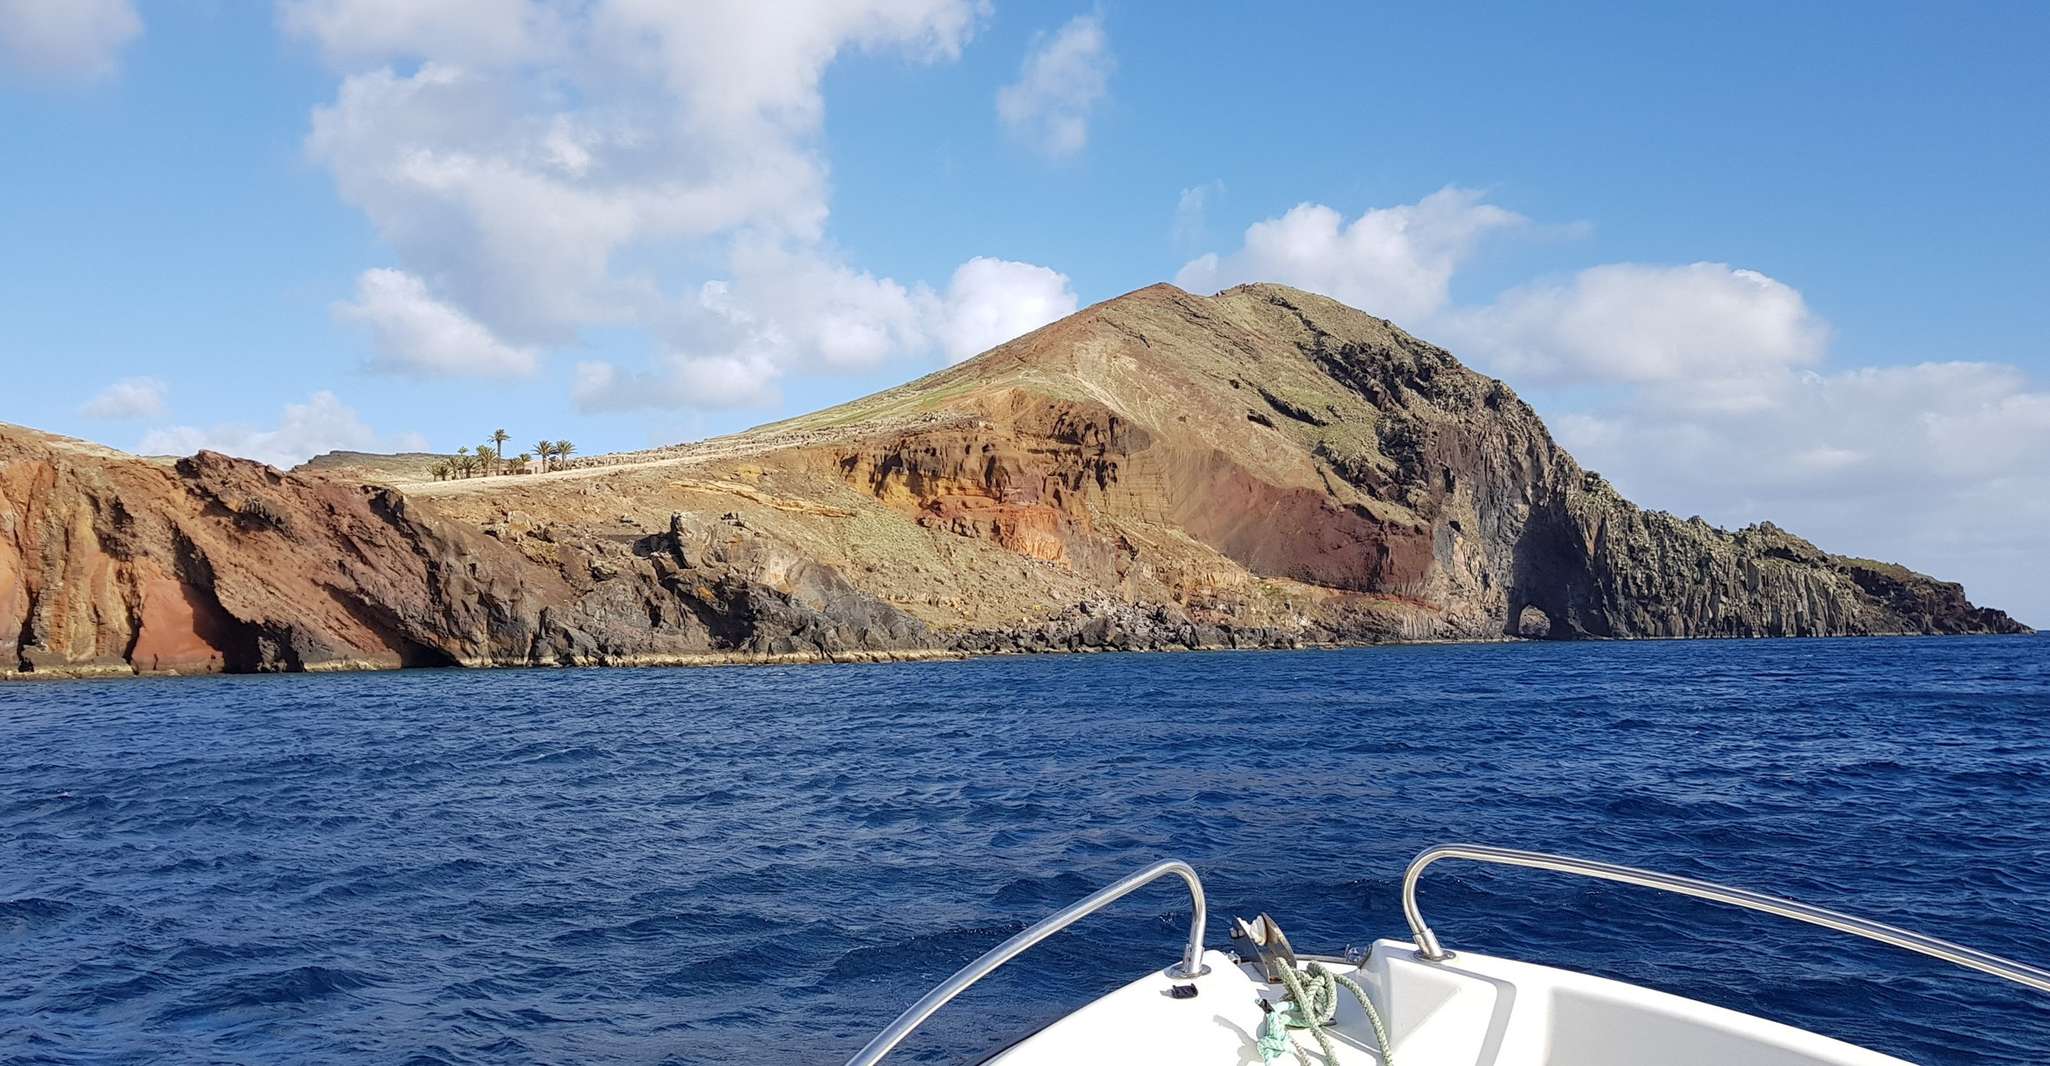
x=1024 y=484
x=110 y=564
x=1264 y=467
x=1269 y=461
x=1603 y=567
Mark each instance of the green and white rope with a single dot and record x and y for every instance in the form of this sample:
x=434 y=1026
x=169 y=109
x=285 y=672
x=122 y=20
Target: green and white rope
x=1311 y=1004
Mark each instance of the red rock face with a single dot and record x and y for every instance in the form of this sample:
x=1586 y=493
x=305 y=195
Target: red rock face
x=179 y=628
x=972 y=488
x=217 y=564
x=1295 y=533
x=1035 y=482
x=110 y=564
x=69 y=601
x=1023 y=477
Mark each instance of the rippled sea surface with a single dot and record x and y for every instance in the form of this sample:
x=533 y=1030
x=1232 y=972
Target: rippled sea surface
x=768 y=863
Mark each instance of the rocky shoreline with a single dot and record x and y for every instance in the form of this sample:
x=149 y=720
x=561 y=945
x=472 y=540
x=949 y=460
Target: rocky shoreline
x=976 y=646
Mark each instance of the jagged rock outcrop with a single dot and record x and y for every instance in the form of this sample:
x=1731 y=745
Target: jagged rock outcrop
x=1262 y=468
x=1603 y=567
x=111 y=565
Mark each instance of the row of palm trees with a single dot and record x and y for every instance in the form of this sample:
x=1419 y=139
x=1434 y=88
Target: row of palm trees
x=488 y=460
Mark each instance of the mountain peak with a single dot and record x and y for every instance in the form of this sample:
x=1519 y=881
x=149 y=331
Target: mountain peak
x=1262 y=467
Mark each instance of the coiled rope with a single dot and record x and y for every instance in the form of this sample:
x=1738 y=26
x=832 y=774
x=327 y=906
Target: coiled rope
x=1311 y=1003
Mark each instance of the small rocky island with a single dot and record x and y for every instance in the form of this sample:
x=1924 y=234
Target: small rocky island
x=1261 y=468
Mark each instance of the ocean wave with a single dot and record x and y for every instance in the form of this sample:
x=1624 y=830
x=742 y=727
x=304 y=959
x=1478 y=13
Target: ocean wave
x=455 y=867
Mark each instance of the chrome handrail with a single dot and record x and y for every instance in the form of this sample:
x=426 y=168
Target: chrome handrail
x=1190 y=966
x=1957 y=954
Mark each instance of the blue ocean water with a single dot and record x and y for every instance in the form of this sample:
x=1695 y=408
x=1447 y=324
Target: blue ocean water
x=700 y=865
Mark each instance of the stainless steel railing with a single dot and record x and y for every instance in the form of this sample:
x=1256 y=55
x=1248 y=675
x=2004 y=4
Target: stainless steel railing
x=1958 y=954
x=1190 y=966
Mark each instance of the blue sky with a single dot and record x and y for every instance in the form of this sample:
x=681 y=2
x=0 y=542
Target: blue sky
x=1772 y=261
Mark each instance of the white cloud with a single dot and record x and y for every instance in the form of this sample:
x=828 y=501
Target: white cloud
x=800 y=308
x=484 y=32
x=738 y=66
x=1192 y=213
x=416 y=334
x=1064 y=77
x=990 y=301
x=653 y=166
x=705 y=382
x=786 y=310
x=66 y=40
x=128 y=398
x=1632 y=322
x=780 y=309
x=1394 y=262
x=323 y=423
x=519 y=213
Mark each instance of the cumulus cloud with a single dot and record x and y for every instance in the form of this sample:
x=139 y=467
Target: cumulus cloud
x=484 y=32
x=1633 y=322
x=783 y=311
x=541 y=168
x=66 y=40
x=1064 y=77
x=802 y=308
x=990 y=301
x=740 y=65
x=709 y=382
x=519 y=213
x=128 y=398
x=778 y=309
x=323 y=423
x=1192 y=213
x=416 y=334
x=1395 y=262
x=1925 y=423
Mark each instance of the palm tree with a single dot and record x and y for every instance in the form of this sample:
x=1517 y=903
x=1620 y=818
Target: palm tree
x=498 y=439
x=544 y=449
x=523 y=463
x=463 y=460
x=484 y=458
x=439 y=470
x=563 y=450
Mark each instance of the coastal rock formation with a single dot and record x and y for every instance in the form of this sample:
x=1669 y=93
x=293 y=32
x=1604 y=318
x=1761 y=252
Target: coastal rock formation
x=116 y=565
x=1262 y=468
x=1616 y=570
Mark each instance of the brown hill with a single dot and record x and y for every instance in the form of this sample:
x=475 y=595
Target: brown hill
x=380 y=467
x=1262 y=467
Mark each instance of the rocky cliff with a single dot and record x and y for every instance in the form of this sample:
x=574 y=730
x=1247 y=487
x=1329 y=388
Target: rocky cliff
x=1264 y=467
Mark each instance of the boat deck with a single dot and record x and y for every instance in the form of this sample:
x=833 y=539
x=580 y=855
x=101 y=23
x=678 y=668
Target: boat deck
x=1469 y=1010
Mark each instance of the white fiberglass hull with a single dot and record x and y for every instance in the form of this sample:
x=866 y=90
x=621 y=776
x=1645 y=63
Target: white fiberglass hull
x=1439 y=1008
x=1469 y=1010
